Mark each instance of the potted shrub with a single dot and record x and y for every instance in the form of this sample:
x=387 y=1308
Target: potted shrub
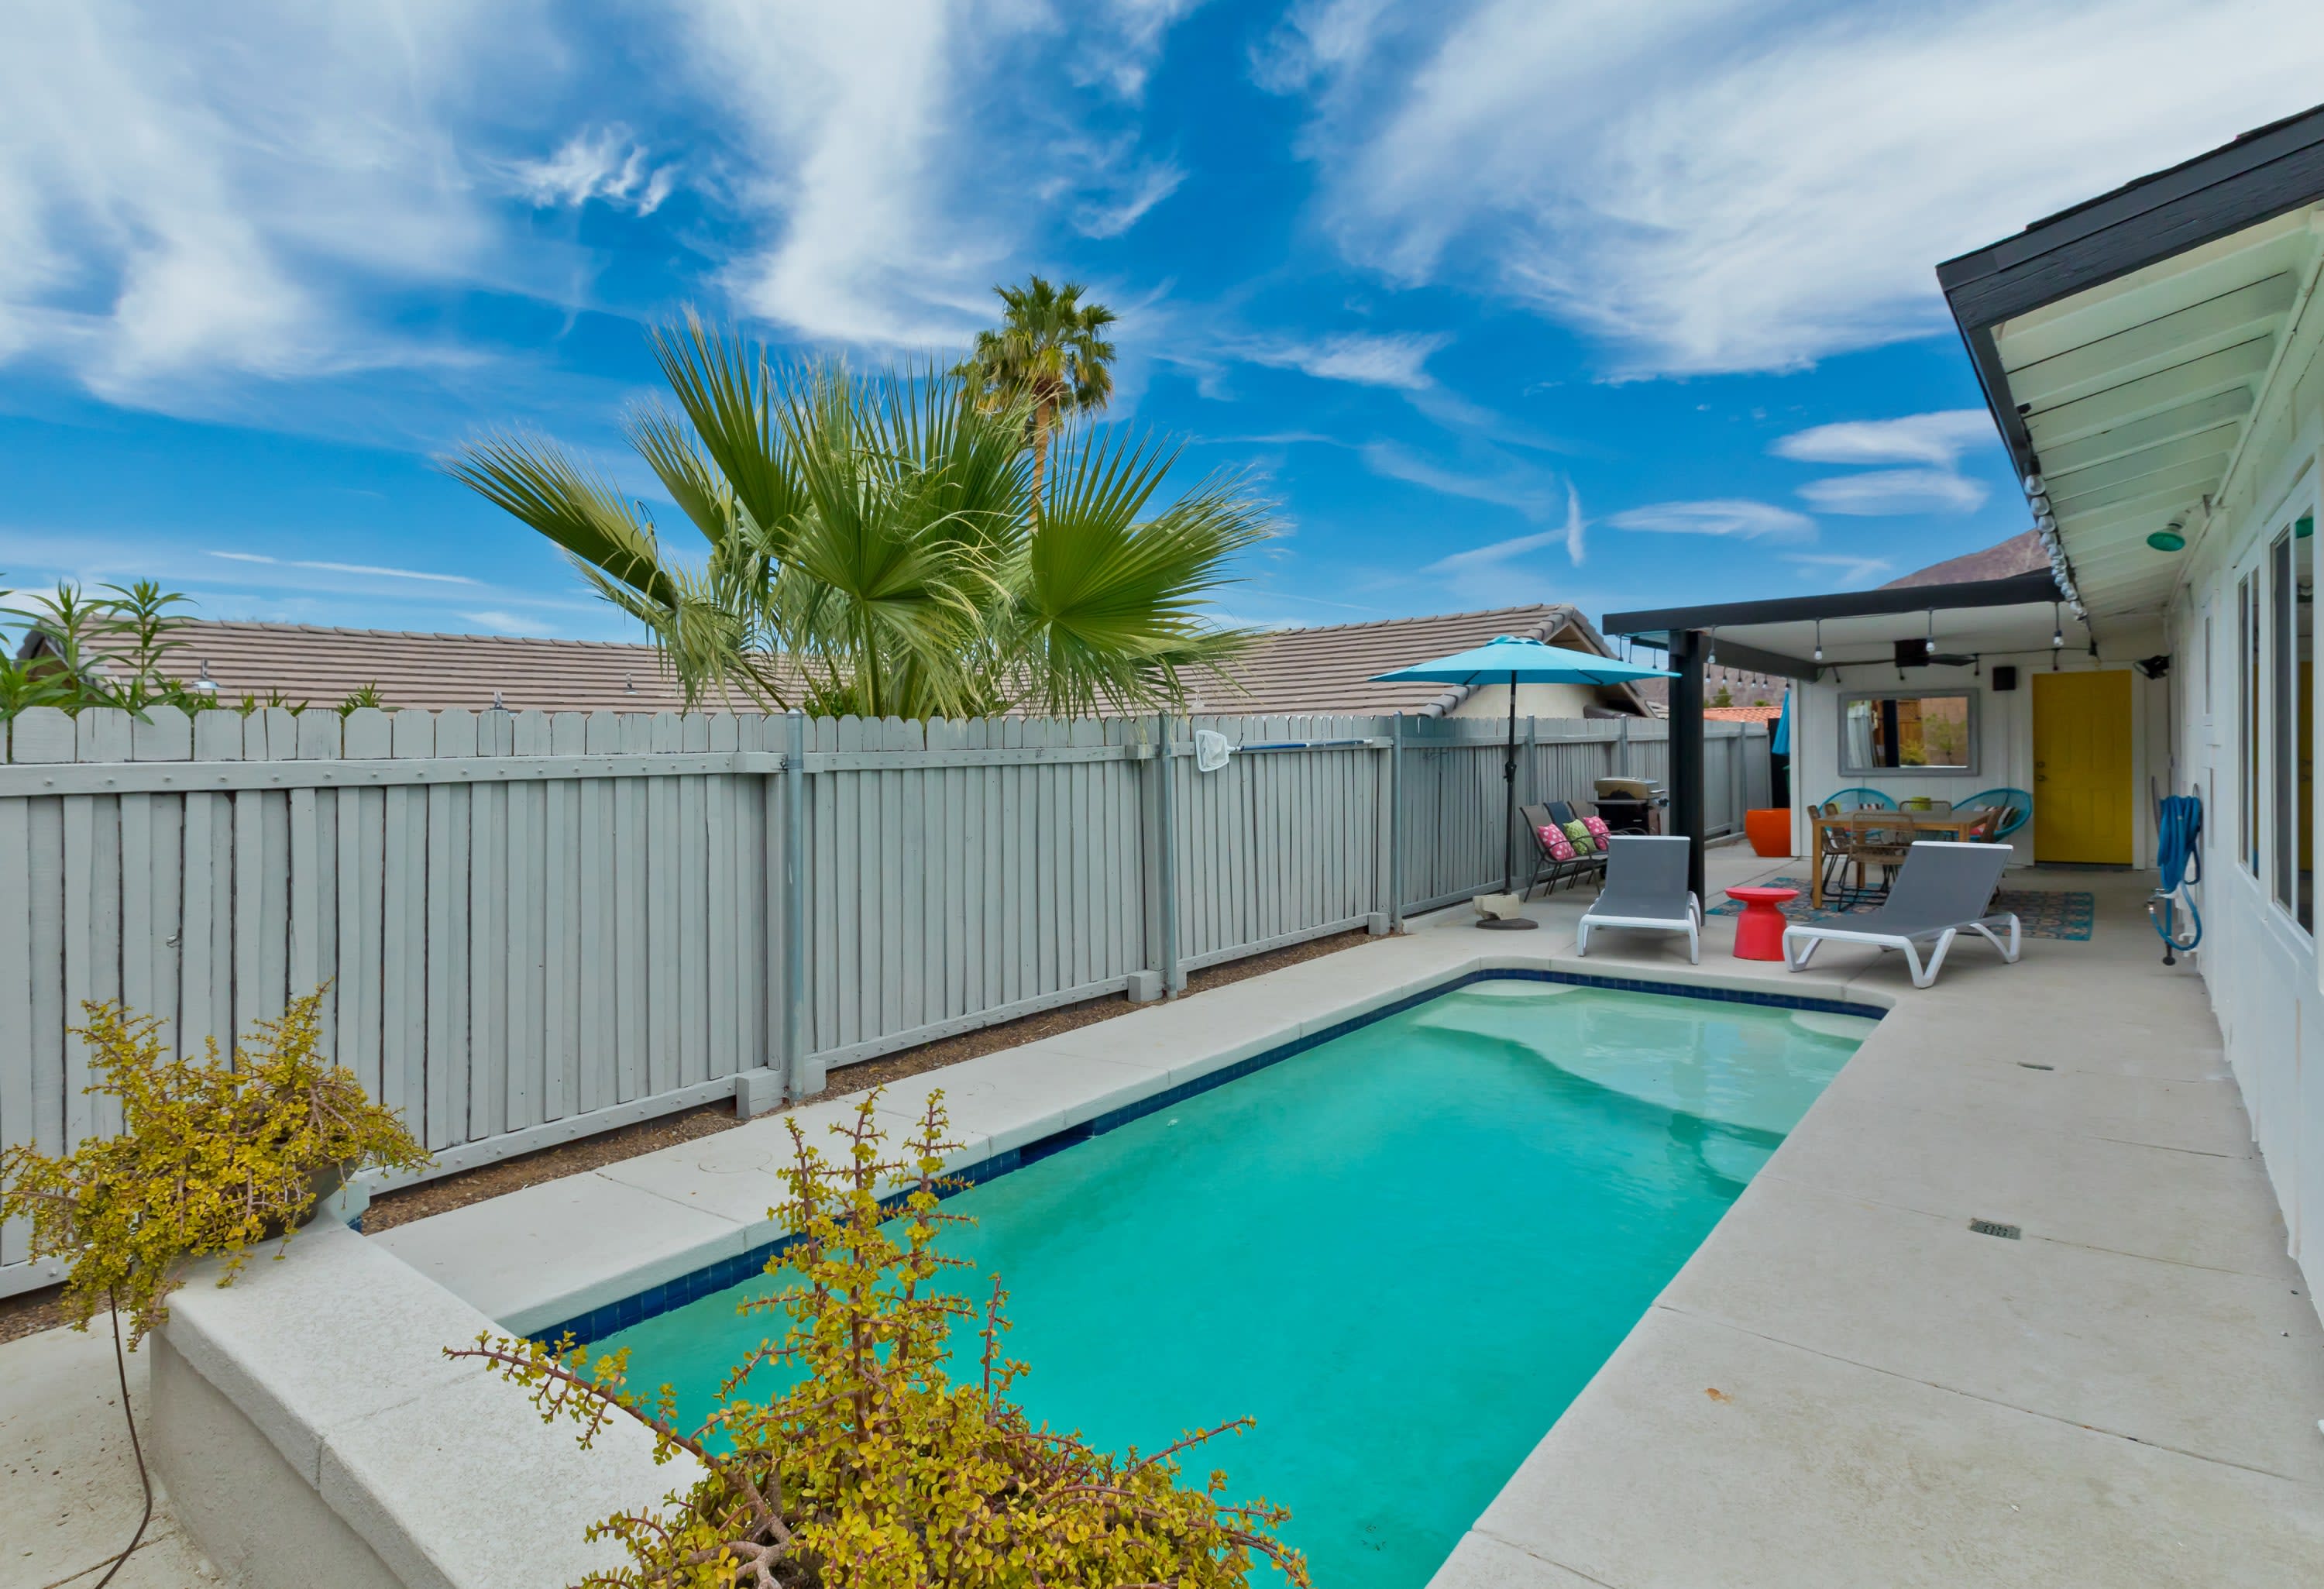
x=214 y=1156
x=874 y=1467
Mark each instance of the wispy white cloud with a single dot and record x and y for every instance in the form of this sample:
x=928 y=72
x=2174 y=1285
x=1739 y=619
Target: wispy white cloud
x=1111 y=214
x=1529 y=492
x=496 y=622
x=1839 y=568
x=898 y=158
x=1368 y=358
x=1119 y=40
x=1485 y=559
x=1880 y=492
x=1315 y=40
x=373 y=570
x=605 y=163
x=1937 y=440
x=1734 y=185
x=1731 y=516
x=179 y=199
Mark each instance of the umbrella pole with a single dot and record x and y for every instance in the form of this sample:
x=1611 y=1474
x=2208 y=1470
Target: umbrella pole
x=1509 y=821
x=1509 y=797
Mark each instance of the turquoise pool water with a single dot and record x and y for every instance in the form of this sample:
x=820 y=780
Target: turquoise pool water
x=1403 y=1252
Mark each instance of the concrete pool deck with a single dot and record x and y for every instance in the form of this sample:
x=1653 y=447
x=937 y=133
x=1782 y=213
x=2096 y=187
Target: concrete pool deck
x=1844 y=1385
x=1848 y=1386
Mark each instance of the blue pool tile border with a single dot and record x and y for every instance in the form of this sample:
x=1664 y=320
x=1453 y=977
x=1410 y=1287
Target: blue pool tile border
x=598 y=1323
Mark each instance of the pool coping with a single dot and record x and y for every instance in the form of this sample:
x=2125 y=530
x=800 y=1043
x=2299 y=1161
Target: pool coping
x=664 y=1296
x=1724 y=1442
x=657 y=1232
x=317 y=1382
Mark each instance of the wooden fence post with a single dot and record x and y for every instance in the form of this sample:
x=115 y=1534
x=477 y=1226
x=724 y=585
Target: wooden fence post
x=1396 y=824
x=1166 y=863
x=801 y=1075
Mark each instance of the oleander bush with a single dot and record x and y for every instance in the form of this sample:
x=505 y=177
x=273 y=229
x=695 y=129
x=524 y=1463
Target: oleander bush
x=215 y=1155
x=873 y=1468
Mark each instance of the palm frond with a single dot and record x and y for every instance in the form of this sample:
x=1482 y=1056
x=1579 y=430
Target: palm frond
x=534 y=481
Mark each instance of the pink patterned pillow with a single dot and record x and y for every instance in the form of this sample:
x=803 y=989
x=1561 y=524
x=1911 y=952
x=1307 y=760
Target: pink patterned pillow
x=1560 y=848
x=1597 y=829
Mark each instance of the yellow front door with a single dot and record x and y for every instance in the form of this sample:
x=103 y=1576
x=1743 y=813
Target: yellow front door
x=2081 y=767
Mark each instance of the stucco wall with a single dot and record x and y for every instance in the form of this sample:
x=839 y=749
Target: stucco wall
x=2258 y=963
x=1535 y=700
x=2004 y=734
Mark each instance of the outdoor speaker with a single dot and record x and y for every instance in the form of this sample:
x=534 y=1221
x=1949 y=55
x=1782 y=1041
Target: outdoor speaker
x=1912 y=653
x=2004 y=677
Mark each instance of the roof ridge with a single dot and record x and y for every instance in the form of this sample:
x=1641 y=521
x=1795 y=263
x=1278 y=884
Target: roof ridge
x=1550 y=607
x=269 y=623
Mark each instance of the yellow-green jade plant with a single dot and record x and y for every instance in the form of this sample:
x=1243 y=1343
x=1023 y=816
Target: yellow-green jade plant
x=215 y=1155
x=873 y=1469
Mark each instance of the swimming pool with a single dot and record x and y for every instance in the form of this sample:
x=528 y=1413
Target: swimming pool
x=1403 y=1250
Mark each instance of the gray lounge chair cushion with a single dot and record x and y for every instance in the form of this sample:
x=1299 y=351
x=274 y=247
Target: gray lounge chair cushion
x=1646 y=880
x=1941 y=886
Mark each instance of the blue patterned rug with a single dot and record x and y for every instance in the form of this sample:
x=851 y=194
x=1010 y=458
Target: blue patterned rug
x=2064 y=913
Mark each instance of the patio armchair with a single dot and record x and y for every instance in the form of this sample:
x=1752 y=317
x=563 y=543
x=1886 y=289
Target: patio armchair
x=1858 y=799
x=2016 y=805
x=1944 y=888
x=1549 y=866
x=1646 y=887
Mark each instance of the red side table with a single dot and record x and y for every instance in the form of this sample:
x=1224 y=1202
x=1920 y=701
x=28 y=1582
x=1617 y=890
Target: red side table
x=1759 y=930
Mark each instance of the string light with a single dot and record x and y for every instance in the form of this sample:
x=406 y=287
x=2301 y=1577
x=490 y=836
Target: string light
x=1818 y=646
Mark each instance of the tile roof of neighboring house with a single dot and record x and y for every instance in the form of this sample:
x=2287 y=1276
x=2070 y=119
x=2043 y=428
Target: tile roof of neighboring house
x=1329 y=669
x=1291 y=671
x=1744 y=713
x=436 y=672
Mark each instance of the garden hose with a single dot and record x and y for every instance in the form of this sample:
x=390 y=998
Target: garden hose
x=2178 y=857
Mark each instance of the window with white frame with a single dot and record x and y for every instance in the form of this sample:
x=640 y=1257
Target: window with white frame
x=2247 y=633
x=2291 y=606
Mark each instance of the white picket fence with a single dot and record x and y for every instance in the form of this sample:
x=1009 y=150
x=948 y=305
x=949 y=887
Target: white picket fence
x=540 y=926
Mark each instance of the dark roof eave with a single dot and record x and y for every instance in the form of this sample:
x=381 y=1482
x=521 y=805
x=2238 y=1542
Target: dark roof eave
x=2265 y=172
x=2014 y=591
x=2262 y=174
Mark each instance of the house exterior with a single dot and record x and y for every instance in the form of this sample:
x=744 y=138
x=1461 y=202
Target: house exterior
x=1293 y=670
x=2155 y=363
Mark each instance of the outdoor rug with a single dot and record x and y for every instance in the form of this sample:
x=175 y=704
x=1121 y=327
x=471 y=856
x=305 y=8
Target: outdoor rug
x=2066 y=913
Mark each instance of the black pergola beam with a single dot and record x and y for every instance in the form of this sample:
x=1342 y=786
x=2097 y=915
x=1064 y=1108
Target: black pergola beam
x=2017 y=590
x=1686 y=758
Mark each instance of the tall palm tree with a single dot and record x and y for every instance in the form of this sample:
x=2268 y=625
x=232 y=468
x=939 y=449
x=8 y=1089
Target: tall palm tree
x=872 y=548
x=1047 y=356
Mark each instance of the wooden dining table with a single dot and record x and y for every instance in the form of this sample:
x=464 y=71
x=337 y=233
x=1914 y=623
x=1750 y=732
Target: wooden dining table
x=1921 y=824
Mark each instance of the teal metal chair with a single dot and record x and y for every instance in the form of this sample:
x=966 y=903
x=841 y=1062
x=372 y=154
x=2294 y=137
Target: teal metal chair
x=1856 y=852
x=2018 y=802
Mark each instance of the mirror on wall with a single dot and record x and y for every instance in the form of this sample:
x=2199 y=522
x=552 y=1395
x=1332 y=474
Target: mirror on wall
x=1933 y=730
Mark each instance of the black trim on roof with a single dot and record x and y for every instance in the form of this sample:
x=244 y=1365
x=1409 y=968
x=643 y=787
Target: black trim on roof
x=2265 y=172
x=2014 y=591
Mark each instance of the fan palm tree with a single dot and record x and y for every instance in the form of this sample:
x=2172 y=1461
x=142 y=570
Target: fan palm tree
x=872 y=548
x=1048 y=356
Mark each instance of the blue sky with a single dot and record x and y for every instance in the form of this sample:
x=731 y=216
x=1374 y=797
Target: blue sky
x=1499 y=301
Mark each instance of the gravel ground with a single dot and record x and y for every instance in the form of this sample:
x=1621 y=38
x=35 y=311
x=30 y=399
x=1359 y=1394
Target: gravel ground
x=39 y=1310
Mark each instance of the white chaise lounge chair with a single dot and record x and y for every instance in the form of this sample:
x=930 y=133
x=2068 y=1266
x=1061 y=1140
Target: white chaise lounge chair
x=1646 y=886
x=1942 y=889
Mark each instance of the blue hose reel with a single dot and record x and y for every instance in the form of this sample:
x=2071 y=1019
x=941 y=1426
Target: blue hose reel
x=2177 y=856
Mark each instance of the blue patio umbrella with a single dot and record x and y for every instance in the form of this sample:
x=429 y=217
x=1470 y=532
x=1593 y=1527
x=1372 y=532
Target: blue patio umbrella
x=1505 y=660
x=1780 y=745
